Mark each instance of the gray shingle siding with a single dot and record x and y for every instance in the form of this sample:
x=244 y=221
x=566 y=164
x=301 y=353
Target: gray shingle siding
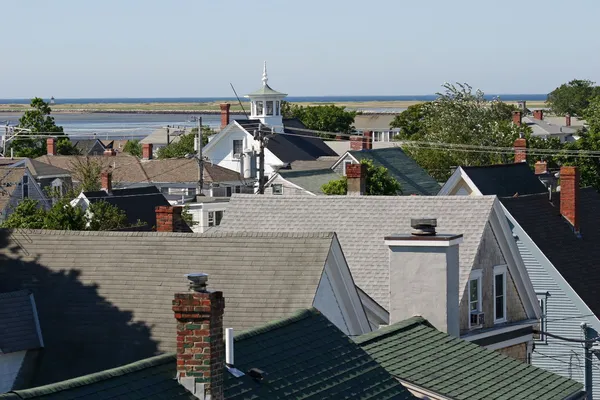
x=563 y=358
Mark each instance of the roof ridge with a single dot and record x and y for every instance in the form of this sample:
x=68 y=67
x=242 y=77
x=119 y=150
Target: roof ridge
x=97 y=376
x=15 y=293
x=278 y=323
x=391 y=329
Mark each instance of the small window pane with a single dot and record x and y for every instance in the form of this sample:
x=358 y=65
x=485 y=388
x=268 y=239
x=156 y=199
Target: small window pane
x=473 y=290
x=237 y=146
x=499 y=284
x=218 y=217
x=278 y=189
x=259 y=108
x=500 y=307
x=269 y=108
x=276 y=108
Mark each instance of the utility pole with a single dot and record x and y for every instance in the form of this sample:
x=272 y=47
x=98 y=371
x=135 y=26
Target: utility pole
x=200 y=160
x=587 y=361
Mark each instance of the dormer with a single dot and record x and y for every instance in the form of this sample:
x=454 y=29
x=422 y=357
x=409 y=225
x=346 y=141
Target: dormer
x=265 y=104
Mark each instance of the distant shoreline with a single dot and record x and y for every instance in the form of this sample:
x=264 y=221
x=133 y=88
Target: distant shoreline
x=370 y=107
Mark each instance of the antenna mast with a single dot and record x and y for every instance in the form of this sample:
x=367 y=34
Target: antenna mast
x=239 y=101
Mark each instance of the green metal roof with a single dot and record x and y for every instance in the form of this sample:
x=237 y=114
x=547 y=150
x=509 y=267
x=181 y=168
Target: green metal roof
x=413 y=179
x=414 y=351
x=311 y=180
x=265 y=90
x=305 y=357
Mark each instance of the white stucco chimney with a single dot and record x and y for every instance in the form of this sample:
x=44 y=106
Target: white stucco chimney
x=424 y=273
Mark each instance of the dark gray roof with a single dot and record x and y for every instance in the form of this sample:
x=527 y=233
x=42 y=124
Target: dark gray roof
x=18 y=329
x=361 y=223
x=104 y=298
x=505 y=179
x=39 y=169
x=413 y=179
x=576 y=259
x=137 y=203
x=90 y=147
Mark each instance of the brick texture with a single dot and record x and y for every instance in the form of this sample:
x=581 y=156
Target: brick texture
x=538 y=114
x=357 y=178
x=169 y=219
x=518 y=352
x=224 y=114
x=51 y=146
x=364 y=142
x=569 y=195
x=517 y=117
x=541 y=167
x=147 y=151
x=106 y=181
x=520 y=150
x=200 y=346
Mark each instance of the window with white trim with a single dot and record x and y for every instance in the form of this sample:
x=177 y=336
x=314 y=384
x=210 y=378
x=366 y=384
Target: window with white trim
x=269 y=107
x=259 y=108
x=214 y=218
x=475 y=298
x=277 y=188
x=500 y=273
x=237 y=147
x=345 y=164
x=543 y=301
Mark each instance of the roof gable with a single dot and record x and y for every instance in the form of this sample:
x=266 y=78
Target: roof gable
x=413 y=179
x=104 y=293
x=505 y=179
x=415 y=352
x=361 y=223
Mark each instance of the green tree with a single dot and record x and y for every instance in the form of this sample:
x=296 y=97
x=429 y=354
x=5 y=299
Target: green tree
x=461 y=116
x=185 y=144
x=38 y=120
x=410 y=121
x=133 y=147
x=187 y=216
x=325 y=118
x=572 y=98
x=27 y=214
x=104 y=216
x=62 y=216
x=379 y=182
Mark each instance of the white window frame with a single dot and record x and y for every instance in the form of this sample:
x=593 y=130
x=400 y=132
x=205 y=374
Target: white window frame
x=344 y=164
x=543 y=301
x=211 y=218
x=500 y=270
x=476 y=274
x=237 y=155
x=280 y=186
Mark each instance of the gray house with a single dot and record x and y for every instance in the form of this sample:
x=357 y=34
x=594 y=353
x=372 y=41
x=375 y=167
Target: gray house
x=557 y=234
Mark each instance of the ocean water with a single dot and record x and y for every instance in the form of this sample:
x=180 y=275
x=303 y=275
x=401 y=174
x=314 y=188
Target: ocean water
x=315 y=99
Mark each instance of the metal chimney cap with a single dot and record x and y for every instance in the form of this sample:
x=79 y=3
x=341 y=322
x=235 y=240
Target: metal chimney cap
x=197 y=281
x=424 y=226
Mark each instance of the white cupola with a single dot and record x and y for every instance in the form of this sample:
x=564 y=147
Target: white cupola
x=265 y=104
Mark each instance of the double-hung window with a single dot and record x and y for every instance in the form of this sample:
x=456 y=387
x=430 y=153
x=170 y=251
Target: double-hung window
x=237 y=147
x=543 y=300
x=475 y=298
x=500 y=294
x=214 y=218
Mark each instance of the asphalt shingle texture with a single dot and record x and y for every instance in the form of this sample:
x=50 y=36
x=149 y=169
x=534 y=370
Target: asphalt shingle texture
x=104 y=298
x=413 y=179
x=361 y=223
x=304 y=355
x=311 y=180
x=17 y=322
x=414 y=351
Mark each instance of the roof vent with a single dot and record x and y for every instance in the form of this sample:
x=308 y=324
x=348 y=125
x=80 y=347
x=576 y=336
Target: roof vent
x=423 y=226
x=198 y=281
x=257 y=374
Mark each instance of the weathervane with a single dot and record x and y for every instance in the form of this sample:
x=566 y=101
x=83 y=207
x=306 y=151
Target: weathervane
x=264 y=78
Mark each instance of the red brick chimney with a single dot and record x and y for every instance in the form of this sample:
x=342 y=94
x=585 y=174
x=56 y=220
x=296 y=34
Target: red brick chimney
x=364 y=142
x=541 y=167
x=200 y=345
x=520 y=150
x=517 y=117
x=567 y=120
x=569 y=195
x=110 y=152
x=106 y=181
x=224 y=114
x=147 y=151
x=51 y=146
x=169 y=219
x=538 y=114
x=356 y=174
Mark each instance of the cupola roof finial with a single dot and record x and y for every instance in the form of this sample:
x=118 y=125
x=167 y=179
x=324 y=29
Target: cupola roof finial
x=264 y=77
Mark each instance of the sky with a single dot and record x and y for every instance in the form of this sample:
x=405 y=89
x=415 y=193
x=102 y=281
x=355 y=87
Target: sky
x=196 y=48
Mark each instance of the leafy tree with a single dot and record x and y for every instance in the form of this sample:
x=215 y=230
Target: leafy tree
x=185 y=144
x=104 y=216
x=28 y=215
x=326 y=118
x=462 y=116
x=379 y=182
x=133 y=147
x=572 y=98
x=410 y=121
x=38 y=120
x=62 y=216
x=187 y=216
x=87 y=171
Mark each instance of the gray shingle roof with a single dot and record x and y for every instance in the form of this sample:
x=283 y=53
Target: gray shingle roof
x=18 y=329
x=361 y=223
x=311 y=180
x=416 y=352
x=102 y=293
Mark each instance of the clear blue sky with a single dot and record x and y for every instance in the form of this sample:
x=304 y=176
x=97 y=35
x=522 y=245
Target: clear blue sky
x=194 y=48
